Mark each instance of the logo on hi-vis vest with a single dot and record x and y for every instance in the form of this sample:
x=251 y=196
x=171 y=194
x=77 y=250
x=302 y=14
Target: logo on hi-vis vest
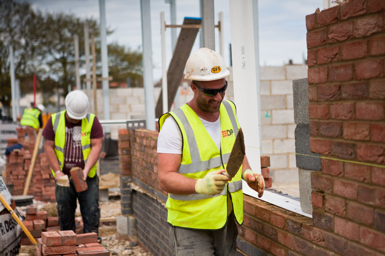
x=216 y=69
x=85 y=133
x=227 y=133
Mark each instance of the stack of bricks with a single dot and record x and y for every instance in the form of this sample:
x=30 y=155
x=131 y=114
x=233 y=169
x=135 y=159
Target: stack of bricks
x=68 y=243
x=265 y=171
x=124 y=149
x=36 y=222
x=44 y=182
x=14 y=169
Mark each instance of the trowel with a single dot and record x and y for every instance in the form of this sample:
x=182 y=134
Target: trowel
x=237 y=155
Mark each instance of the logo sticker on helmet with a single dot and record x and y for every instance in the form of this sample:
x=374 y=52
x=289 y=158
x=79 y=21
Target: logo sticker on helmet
x=216 y=69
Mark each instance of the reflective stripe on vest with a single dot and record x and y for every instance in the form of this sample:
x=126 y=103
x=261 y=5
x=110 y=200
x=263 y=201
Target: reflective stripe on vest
x=200 y=156
x=31 y=118
x=58 y=123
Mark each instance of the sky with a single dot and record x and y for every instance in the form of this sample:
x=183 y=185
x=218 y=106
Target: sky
x=282 y=27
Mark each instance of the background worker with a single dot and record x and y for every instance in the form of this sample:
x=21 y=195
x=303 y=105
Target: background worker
x=193 y=148
x=32 y=117
x=73 y=138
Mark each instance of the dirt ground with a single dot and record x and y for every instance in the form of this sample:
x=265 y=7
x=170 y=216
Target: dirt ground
x=116 y=244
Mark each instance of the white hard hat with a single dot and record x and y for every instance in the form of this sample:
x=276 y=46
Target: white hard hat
x=41 y=107
x=206 y=65
x=77 y=104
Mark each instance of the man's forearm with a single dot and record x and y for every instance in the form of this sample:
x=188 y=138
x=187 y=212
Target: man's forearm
x=52 y=159
x=93 y=157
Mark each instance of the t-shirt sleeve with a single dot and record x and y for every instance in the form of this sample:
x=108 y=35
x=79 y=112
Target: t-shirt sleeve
x=97 y=129
x=48 y=132
x=170 y=138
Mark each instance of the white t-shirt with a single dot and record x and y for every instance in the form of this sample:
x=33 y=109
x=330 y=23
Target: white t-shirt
x=170 y=137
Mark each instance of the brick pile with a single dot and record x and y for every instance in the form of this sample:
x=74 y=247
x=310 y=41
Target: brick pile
x=42 y=185
x=67 y=243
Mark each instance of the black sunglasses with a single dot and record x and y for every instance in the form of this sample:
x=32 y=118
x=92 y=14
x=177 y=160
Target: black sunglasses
x=211 y=92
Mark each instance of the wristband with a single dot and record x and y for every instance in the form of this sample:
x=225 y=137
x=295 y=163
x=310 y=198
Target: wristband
x=57 y=172
x=244 y=171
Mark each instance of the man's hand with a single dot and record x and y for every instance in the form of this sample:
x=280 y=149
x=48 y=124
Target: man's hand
x=62 y=180
x=212 y=184
x=85 y=174
x=255 y=181
x=59 y=175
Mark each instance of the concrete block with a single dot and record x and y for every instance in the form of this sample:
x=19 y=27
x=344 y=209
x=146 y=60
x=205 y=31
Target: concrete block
x=140 y=108
x=124 y=92
x=138 y=92
x=114 y=108
x=281 y=87
x=272 y=73
x=301 y=101
x=267 y=147
x=266 y=117
x=265 y=87
x=133 y=100
x=118 y=116
x=285 y=176
x=132 y=227
x=296 y=71
x=103 y=194
x=274 y=131
x=290 y=131
x=289 y=101
x=292 y=161
x=305 y=190
x=305 y=158
x=117 y=100
x=273 y=102
x=122 y=225
x=284 y=146
x=278 y=161
x=283 y=116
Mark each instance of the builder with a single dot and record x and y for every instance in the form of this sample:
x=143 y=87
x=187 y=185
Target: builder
x=203 y=202
x=32 y=117
x=73 y=138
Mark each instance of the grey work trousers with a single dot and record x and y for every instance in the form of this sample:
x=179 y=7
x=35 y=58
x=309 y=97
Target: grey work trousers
x=201 y=242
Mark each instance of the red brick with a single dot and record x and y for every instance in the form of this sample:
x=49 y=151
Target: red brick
x=316 y=38
x=319 y=111
x=39 y=246
x=335 y=243
x=268 y=182
x=262 y=213
x=317 y=75
x=370 y=110
x=92 y=245
x=376 y=5
x=335 y=205
x=357 y=250
x=377 y=45
x=312 y=93
x=249 y=208
x=86 y=238
x=250 y=236
x=342 y=111
x=371 y=195
x=332 y=167
x=353 y=8
x=317 y=199
x=314 y=128
x=328 y=54
x=263 y=243
x=26 y=241
x=346 y=189
x=330 y=129
x=28 y=224
x=340 y=32
x=265 y=173
x=38 y=224
x=320 y=146
x=354 y=50
x=368 y=69
x=77 y=176
x=377 y=89
x=321 y=183
x=329 y=92
x=371 y=153
x=123 y=132
x=310 y=21
x=303 y=246
x=356 y=131
x=378 y=132
x=314 y=235
x=42 y=215
x=68 y=237
x=357 y=172
x=58 y=250
x=31 y=210
x=372 y=238
x=379 y=220
x=355 y=91
x=368 y=25
x=265 y=161
x=346 y=228
x=378 y=175
x=328 y=16
x=277 y=249
x=97 y=251
x=311 y=58
x=52 y=221
x=51 y=239
x=323 y=220
x=341 y=73
x=322 y=252
x=277 y=219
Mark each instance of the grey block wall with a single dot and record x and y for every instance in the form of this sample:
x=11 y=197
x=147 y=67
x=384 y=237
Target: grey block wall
x=305 y=159
x=300 y=101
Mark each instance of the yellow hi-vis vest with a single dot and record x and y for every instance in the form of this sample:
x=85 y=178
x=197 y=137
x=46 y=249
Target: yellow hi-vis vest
x=31 y=118
x=200 y=155
x=59 y=128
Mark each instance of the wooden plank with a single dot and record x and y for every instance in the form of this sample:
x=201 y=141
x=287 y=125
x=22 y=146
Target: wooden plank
x=175 y=70
x=28 y=181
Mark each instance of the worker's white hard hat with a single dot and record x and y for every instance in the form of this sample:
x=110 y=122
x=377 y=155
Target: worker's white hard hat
x=41 y=107
x=76 y=104
x=206 y=65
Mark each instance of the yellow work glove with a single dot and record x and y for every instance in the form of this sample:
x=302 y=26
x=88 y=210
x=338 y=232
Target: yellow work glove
x=212 y=184
x=63 y=181
x=254 y=180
